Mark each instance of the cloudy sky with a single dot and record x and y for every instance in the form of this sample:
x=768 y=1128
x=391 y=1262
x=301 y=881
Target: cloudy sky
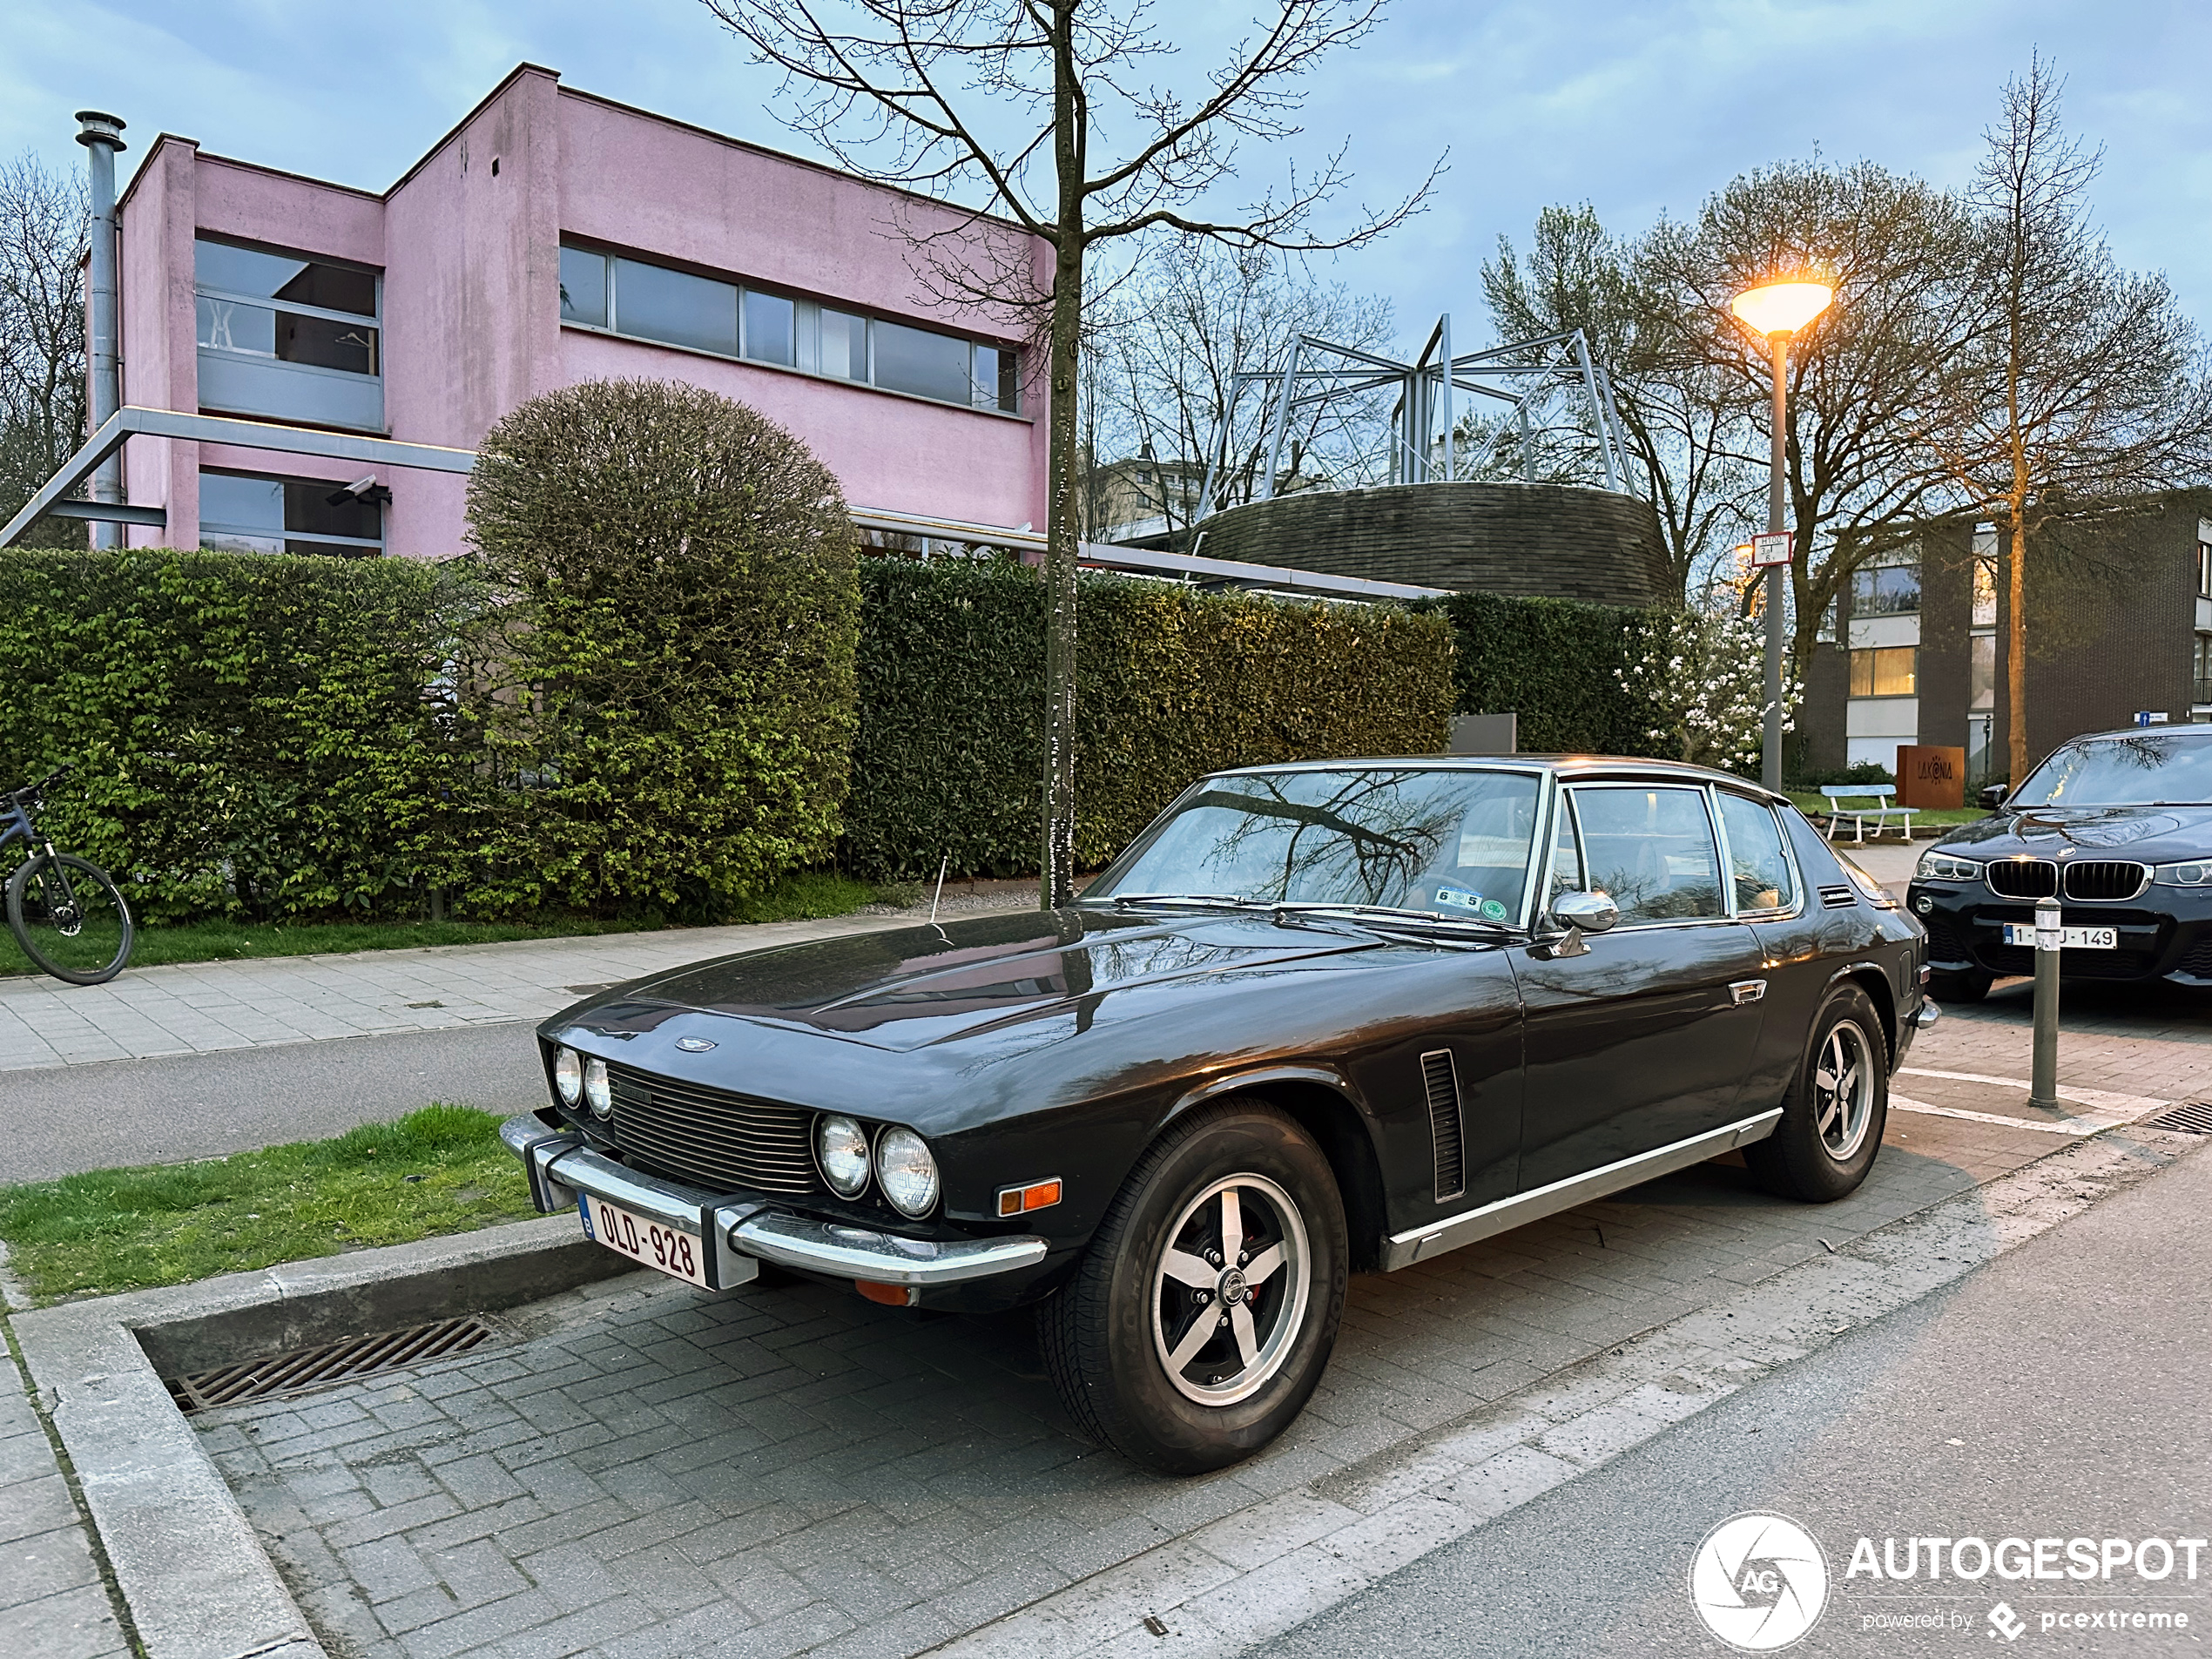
x=1638 y=106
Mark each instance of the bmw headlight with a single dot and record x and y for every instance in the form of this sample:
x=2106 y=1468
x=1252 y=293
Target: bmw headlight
x=841 y=1146
x=906 y=1171
x=568 y=1074
x=1941 y=867
x=2197 y=873
x=594 y=1086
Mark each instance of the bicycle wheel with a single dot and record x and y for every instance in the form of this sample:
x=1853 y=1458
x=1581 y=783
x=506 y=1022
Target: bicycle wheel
x=69 y=919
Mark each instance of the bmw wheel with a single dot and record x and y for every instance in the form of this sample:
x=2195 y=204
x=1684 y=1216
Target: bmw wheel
x=1201 y=1318
x=1833 y=1117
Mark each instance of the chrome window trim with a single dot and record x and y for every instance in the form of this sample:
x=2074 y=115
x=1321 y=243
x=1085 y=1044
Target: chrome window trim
x=1779 y=913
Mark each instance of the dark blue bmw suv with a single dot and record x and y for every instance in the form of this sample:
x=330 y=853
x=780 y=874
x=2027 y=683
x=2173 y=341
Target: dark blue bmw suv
x=2116 y=825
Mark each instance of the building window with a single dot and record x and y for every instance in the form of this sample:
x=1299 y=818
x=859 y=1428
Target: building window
x=2204 y=570
x=287 y=335
x=2202 y=676
x=1885 y=589
x=1825 y=633
x=247 y=513
x=1985 y=593
x=1981 y=692
x=1890 y=670
x=649 y=302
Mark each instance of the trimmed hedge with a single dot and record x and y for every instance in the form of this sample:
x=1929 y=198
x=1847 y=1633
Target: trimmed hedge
x=253 y=736
x=1552 y=662
x=1171 y=684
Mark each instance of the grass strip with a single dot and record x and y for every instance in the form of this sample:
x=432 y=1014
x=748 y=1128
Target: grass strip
x=801 y=896
x=440 y=1170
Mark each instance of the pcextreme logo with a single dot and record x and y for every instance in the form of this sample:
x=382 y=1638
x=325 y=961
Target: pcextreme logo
x=1758 y=1581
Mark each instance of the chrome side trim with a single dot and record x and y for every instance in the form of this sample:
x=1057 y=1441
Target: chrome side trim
x=1419 y=1243
x=1929 y=1013
x=858 y=1252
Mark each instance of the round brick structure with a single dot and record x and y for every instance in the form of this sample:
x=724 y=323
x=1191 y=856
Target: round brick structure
x=1552 y=541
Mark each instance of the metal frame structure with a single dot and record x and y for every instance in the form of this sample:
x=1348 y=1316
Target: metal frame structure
x=1321 y=371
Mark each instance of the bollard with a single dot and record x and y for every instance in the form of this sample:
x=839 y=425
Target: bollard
x=2050 y=935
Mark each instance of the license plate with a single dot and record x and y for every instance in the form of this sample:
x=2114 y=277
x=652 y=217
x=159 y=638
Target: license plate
x=2023 y=932
x=647 y=1242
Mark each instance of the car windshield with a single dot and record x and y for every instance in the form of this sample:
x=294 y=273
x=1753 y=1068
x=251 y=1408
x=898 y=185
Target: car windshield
x=2157 y=769
x=1454 y=843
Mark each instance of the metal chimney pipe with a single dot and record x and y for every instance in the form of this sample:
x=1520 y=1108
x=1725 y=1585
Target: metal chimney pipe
x=101 y=136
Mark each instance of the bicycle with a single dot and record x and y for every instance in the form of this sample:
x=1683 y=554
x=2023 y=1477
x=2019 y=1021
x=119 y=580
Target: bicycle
x=66 y=913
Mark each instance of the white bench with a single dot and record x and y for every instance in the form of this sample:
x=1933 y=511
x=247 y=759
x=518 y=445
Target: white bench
x=1873 y=800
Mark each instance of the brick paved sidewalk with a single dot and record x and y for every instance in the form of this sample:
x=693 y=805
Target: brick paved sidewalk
x=202 y=1007
x=656 y=1473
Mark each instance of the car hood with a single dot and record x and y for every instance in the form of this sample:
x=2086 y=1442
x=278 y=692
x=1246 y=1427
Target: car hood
x=913 y=987
x=2152 y=834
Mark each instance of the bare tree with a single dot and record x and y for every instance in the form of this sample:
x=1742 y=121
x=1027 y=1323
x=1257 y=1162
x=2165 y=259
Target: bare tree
x=2090 y=380
x=1681 y=413
x=917 y=92
x=42 y=218
x=1197 y=315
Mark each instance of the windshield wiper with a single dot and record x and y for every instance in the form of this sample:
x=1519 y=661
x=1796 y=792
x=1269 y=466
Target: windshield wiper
x=1390 y=916
x=1186 y=901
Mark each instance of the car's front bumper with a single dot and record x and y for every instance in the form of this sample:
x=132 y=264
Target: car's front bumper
x=2164 y=934
x=740 y=1232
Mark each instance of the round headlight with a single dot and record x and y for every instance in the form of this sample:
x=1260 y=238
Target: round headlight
x=594 y=1086
x=842 y=1146
x=906 y=1171
x=568 y=1074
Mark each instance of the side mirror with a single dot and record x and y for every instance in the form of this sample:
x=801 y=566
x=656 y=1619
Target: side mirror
x=1992 y=795
x=1592 y=912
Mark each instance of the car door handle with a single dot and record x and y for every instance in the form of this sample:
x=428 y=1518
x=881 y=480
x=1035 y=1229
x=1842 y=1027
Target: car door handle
x=1747 y=990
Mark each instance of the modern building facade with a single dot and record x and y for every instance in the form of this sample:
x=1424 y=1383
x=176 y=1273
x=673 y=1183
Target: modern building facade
x=2119 y=626
x=554 y=237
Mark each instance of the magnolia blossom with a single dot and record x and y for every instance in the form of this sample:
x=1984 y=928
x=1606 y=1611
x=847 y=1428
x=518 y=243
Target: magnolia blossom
x=1703 y=675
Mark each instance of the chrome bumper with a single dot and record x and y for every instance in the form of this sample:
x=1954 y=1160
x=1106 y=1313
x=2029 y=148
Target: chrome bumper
x=1928 y=1015
x=741 y=1233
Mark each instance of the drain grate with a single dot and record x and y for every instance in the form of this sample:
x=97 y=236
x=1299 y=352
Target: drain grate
x=2191 y=1117
x=307 y=1369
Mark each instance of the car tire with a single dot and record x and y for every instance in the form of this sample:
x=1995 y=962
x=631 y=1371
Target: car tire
x=1833 y=1117
x=1185 y=1376
x=1970 y=986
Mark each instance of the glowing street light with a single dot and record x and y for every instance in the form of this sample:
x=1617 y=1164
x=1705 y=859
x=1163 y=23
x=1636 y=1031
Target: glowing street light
x=1777 y=310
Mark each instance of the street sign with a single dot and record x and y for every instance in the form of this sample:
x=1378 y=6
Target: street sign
x=1770 y=547
x=2150 y=716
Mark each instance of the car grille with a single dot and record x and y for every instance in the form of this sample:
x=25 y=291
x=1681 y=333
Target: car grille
x=1838 y=898
x=2022 y=878
x=1441 y=1080
x=1943 y=943
x=2074 y=964
x=2105 y=879
x=710 y=1136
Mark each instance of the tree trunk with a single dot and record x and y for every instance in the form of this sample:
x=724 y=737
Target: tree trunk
x=2016 y=595
x=1056 y=879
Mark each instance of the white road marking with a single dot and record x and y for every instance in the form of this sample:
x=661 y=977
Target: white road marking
x=2075 y=1126
x=2135 y=1105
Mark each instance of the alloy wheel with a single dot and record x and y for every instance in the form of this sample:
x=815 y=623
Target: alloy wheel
x=1229 y=1289
x=1843 y=1089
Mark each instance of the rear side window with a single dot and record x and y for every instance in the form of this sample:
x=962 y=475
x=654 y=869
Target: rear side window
x=1652 y=851
x=1758 y=866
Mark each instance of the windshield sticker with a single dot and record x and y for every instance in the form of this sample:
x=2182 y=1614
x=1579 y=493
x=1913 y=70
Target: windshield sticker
x=1460 y=898
x=1492 y=911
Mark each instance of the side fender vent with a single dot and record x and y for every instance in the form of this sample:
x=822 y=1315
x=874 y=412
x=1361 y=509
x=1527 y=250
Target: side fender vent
x=1838 y=898
x=1443 y=1084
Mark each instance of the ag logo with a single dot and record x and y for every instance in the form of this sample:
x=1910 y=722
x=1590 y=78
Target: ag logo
x=1758 y=1581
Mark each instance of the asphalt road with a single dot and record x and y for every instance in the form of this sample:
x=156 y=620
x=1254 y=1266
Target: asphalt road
x=2061 y=1391
x=70 y=1118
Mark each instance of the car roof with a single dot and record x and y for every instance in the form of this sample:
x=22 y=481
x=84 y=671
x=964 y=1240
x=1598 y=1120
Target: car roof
x=1568 y=767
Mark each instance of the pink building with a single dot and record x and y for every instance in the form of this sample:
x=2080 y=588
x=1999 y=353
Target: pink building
x=551 y=237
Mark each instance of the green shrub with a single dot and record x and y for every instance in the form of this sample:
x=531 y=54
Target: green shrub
x=254 y=736
x=1552 y=663
x=665 y=691
x=1171 y=684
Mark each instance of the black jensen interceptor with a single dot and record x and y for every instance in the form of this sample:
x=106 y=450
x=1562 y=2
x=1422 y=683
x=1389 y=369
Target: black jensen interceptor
x=2117 y=826
x=1318 y=1019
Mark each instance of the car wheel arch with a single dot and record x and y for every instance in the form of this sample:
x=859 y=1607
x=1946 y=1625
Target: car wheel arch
x=1322 y=1103
x=1870 y=978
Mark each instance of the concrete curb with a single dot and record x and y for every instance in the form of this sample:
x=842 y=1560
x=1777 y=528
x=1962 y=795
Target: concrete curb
x=197 y=1581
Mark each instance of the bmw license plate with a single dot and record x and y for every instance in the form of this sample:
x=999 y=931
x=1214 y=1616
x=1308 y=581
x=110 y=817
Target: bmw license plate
x=647 y=1242
x=2023 y=932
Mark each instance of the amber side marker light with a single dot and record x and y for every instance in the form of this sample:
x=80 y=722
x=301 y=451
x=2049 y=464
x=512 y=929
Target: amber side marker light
x=894 y=1296
x=1018 y=1200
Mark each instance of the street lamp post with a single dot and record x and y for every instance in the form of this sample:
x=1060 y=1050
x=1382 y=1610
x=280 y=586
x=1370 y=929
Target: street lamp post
x=1775 y=311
